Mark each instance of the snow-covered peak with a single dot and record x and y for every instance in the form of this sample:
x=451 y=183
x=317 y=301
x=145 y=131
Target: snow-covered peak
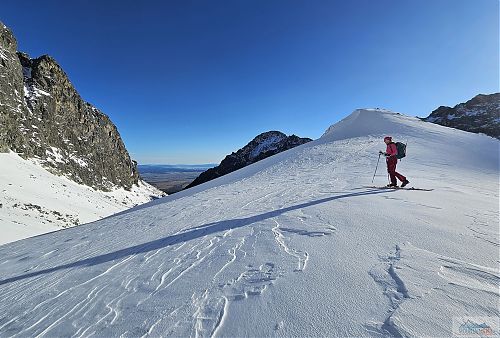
x=366 y=122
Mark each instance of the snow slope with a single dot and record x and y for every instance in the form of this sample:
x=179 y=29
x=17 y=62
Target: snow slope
x=35 y=201
x=291 y=246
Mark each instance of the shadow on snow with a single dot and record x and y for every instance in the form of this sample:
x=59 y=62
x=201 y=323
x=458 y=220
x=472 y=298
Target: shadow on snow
x=188 y=235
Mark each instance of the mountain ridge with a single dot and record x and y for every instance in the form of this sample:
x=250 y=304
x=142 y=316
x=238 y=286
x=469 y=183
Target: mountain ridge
x=44 y=117
x=481 y=114
x=260 y=147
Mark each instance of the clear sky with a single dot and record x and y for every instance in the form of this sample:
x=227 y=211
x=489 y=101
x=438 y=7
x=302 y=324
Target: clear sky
x=191 y=81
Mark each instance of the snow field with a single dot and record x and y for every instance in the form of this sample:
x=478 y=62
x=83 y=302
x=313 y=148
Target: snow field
x=291 y=246
x=35 y=201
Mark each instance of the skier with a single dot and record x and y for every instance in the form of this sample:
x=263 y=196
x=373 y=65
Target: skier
x=391 y=160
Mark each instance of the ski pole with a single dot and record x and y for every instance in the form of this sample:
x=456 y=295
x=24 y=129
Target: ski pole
x=376 y=167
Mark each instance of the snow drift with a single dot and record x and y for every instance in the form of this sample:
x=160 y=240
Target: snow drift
x=293 y=245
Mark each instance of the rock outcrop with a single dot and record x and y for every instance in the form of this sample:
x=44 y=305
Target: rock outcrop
x=42 y=116
x=481 y=114
x=261 y=147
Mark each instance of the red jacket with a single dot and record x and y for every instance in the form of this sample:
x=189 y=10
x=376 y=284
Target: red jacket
x=391 y=150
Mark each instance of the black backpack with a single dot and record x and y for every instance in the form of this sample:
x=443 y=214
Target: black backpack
x=401 y=147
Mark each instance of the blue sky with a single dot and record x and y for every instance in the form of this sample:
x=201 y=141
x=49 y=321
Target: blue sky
x=191 y=81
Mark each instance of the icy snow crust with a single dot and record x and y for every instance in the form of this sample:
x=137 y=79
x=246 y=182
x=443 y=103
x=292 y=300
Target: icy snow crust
x=34 y=201
x=291 y=246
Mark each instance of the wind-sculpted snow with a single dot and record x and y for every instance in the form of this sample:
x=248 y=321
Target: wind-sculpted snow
x=418 y=281
x=290 y=246
x=232 y=258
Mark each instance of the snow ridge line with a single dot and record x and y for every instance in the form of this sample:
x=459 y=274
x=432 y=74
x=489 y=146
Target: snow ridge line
x=401 y=288
x=232 y=252
x=433 y=280
x=395 y=289
x=209 y=315
x=222 y=316
x=301 y=256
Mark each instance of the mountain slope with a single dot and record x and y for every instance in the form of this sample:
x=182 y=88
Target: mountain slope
x=70 y=153
x=292 y=245
x=42 y=116
x=480 y=114
x=262 y=146
x=34 y=201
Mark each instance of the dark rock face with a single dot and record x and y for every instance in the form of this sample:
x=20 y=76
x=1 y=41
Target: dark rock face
x=478 y=115
x=42 y=116
x=11 y=93
x=261 y=147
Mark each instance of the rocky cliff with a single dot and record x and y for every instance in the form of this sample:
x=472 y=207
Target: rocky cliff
x=261 y=147
x=481 y=114
x=42 y=116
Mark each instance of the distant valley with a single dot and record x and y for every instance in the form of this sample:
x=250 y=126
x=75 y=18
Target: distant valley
x=171 y=178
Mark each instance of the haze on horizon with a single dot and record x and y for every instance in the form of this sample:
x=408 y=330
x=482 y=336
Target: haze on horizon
x=189 y=82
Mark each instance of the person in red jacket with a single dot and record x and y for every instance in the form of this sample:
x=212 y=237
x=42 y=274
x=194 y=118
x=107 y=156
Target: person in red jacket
x=392 y=161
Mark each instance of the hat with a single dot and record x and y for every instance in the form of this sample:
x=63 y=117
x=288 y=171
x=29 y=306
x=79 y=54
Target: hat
x=388 y=138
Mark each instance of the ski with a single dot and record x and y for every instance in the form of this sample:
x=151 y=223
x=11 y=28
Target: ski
x=398 y=188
